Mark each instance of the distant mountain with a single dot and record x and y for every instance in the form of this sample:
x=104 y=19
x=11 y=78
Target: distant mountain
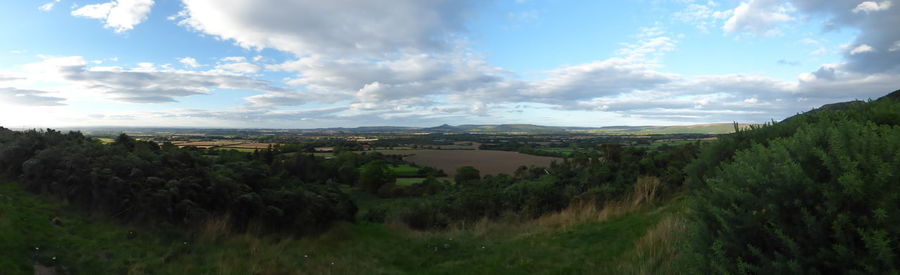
x=499 y=128
x=715 y=128
x=522 y=129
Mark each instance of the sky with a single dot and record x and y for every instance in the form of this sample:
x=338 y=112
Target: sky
x=349 y=63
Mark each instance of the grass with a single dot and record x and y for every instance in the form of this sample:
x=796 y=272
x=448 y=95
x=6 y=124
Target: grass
x=80 y=245
x=246 y=150
x=564 y=150
x=392 y=148
x=411 y=181
x=582 y=239
x=657 y=144
x=405 y=170
x=408 y=181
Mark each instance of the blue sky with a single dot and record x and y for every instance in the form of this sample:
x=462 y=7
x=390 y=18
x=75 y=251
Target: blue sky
x=345 y=63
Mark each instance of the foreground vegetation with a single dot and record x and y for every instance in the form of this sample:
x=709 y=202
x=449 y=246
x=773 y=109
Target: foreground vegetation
x=555 y=243
x=816 y=193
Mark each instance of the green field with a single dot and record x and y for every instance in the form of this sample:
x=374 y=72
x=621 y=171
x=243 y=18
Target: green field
x=392 y=148
x=565 y=243
x=405 y=170
x=655 y=145
x=566 y=151
x=411 y=181
x=246 y=150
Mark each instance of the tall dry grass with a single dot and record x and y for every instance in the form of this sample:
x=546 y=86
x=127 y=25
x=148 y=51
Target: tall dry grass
x=262 y=255
x=645 y=190
x=644 y=193
x=215 y=228
x=657 y=252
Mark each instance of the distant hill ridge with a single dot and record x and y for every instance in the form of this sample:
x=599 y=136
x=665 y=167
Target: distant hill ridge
x=845 y=105
x=713 y=128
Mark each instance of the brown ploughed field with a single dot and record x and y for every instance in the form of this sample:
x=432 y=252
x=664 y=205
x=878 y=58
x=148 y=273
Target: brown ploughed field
x=489 y=162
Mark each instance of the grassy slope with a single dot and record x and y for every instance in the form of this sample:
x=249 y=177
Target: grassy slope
x=84 y=247
x=543 y=246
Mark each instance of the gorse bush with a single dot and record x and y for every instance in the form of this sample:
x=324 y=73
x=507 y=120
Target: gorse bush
x=141 y=181
x=537 y=191
x=816 y=194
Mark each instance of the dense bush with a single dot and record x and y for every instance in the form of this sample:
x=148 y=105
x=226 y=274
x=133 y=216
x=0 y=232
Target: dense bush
x=817 y=193
x=534 y=191
x=141 y=181
x=467 y=175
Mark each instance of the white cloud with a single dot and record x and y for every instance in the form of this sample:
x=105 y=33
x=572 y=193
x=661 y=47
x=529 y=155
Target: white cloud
x=189 y=61
x=143 y=84
x=239 y=67
x=397 y=53
x=877 y=30
x=872 y=6
x=28 y=97
x=630 y=70
x=601 y=78
x=412 y=77
x=703 y=16
x=759 y=17
x=238 y=64
x=48 y=6
x=119 y=15
x=303 y=27
x=810 y=41
x=861 y=49
x=895 y=46
x=234 y=59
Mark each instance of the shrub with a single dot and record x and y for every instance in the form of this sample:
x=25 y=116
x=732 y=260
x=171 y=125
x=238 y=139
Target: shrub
x=375 y=215
x=467 y=175
x=425 y=216
x=822 y=200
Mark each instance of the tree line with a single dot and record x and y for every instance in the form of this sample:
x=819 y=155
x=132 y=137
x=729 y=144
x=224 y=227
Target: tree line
x=142 y=181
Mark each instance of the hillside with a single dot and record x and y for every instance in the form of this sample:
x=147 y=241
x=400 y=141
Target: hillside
x=813 y=194
x=807 y=195
x=578 y=240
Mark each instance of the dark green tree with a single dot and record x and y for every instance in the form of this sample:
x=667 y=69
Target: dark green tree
x=375 y=174
x=467 y=175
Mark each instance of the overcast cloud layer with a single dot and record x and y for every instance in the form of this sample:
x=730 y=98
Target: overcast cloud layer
x=411 y=62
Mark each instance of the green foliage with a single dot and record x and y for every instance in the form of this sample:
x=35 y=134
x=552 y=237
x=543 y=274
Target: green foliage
x=405 y=170
x=141 y=181
x=817 y=193
x=91 y=246
x=374 y=175
x=375 y=215
x=467 y=175
x=534 y=191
